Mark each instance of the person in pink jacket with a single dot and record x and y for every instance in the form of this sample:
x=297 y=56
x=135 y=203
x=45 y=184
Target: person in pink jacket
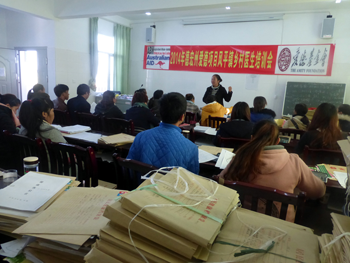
x=263 y=162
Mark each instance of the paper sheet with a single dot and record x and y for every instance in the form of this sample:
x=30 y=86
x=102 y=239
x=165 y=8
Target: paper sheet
x=202 y=129
x=77 y=211
x=31 y=191
x=13 y=248
x=204 y=156
x=211 y=131
x=117 y=139
x=86 y=136
x=213 y=150
x=252 y=82
x=341 y=177
x=224 y=159
x=74 y=129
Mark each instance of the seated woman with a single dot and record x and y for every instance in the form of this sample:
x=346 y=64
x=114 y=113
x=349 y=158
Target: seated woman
x=323 y=131
x=214 y=109
x=8 y=121
x=36 y=117
x=153 y=103
x=299 y=120
x=344 y=117
x=263 y=162
x=141 y=115
x=37 y=89
x=107 y=108
x=259 y=112
x=239 y=126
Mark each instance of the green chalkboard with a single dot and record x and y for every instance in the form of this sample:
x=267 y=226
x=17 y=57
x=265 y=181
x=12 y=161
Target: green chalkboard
x=312 y=94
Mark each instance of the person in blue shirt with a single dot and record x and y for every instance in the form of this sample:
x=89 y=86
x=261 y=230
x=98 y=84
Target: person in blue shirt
x=164 y=145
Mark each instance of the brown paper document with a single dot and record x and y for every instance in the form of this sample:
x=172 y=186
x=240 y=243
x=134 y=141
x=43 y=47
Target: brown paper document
x=294 y=242
x=212 y=203
x=97 y=256
x=77 y=211
x=117 y=139
x=153 y=232
x=214 y=150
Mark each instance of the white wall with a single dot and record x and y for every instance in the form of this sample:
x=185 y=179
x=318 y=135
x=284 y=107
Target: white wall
x=3 y=34
x=294 y=29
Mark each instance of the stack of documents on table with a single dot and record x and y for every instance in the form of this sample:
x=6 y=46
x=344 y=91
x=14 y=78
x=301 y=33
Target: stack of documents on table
x=206 y=130
x=117 y=139
x=72 y=129
x=336 y=248
x=30 y=194
x=245 y=232
x=172 y=217
x=64 y=230
x=85 y=136
x=224 y=159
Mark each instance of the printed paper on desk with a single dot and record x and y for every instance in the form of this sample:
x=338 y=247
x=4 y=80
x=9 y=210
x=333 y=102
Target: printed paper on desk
x=31 y=191
x=342 y=178
x=117 y=139
x=204 y=156
x=77 y=211
x=201 y=129
x=86 y=136
x=224 y=159
x=211 y=131
x=213 y=150
x=74 y=129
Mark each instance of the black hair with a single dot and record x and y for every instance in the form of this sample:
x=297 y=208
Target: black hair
x=141 y=90
x=36 y=89
x=345 y=109
x=259 y=103
x=171 y=107
x=301 y=110
x=158 y=94
x=10 y=99
x=83 y=89
x=210 y=99
x=241 y=111
x=59 y=89
x=218 y=77
x=189 y=96
x=107 y=98
x=31 y=116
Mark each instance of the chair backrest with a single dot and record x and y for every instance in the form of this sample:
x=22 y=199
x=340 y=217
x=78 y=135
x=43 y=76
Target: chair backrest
x=249 y=195
x=129 y=172
x=313 y=157
x=234 y=143
x=190 y=118
x=72 y=160
x=24 y=146
x=88 y=119
x=294 y=133
x=215 y=122
x=115 y=125
x=62 y=118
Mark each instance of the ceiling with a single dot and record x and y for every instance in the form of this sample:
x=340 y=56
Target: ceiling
x=134 y=10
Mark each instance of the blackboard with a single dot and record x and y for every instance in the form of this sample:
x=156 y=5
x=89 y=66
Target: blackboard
x=312 y=94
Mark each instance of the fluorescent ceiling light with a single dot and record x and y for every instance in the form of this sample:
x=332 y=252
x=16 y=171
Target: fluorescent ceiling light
x=148 y=13
x=227 y=7
x=232 y=19
x=337 y=1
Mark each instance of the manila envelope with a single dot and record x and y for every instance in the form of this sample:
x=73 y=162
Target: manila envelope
x=299 y=243
x=97 y=256
x=155 y=233
x=206 y=196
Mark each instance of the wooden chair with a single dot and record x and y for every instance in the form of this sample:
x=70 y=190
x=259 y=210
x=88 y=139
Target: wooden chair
x=190 y=118
x=72 y=160
x=294 y=133
x=88 y=119
x=25 y=147
x=313 y=157
x=249 y=195
x=115 y=125
x=129 y=172
x=234 y=143
x=215 y=122
x=62 y=118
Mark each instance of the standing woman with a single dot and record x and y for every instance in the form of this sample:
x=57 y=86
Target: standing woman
x=218 y=91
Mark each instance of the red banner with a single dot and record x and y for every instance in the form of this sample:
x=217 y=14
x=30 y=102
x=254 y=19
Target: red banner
x=271 y=60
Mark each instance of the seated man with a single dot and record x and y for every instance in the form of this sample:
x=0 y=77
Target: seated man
x=164 y=145
x=214 y=109
x=191 y=107
x=62 y=93
x=79 y=103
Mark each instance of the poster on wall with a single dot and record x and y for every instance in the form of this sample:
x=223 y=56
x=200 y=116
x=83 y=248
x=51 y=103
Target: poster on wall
x=304 y=60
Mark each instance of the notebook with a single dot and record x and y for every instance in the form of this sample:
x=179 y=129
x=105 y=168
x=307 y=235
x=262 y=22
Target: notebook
x=117 y=139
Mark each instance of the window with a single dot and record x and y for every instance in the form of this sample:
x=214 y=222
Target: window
x=105 y=70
